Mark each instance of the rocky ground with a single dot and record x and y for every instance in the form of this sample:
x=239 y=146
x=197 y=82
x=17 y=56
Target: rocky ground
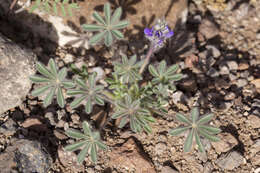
x=216 y=44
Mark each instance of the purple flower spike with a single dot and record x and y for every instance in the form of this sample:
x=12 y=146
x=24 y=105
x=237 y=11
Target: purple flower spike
x=158 y=34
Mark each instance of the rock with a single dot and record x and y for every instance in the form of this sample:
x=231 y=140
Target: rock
x=257 y=170
x=210 y=61
x=8 y=128
x=17 y=115
x=254 y=153
x=256 y=82
x=160 y=148
x=16 y=65
x=194 y=166
x=256 y=160
x=191 y=61
x=223 y=69
x=27 y=156
x=35 y=123
x=213 y=50
x=232 y=77
x=241 y=83
x=68 y=58
x=100 y=73
x=213 y=72
x=69 y=160
x=253 y=121
x=231 y=161
x=255 y=148
x=230 y=96
x=226 y=143
x=222 y=83
x=31 y=122
x=208 y=29
x=50 y=117
x=243 y=66
x=225 y=106
x=128 y=157
x=7 y=164
x=232 y=65
x=91 y=170
x=75 y=118
x=168 y=169
x=189 y=85
x=60 y=124
x=179 y=97
x=208 y=167
x=60 y=134
x=245 y=75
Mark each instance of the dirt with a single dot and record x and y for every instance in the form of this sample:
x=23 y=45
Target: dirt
x=222 y=76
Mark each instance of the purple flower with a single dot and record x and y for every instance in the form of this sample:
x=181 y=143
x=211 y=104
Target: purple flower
x=158 y=33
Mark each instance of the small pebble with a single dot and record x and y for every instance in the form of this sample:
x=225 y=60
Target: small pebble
x=232 y=65
x=215 y=52
x=241 y=83
x=230 y=96
x=223 y=70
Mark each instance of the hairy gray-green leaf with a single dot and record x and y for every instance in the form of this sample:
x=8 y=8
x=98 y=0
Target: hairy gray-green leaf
x=54 y=81
x=131 y=110
x=197 y=128
x=89 y=143
x=45 y=5
x=88 y=91
x=108 y=28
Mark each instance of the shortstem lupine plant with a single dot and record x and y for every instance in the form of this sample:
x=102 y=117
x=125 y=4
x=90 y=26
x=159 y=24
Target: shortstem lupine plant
x=157 y=36
x=134 y=99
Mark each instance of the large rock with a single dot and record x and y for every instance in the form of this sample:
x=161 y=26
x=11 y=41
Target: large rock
x=128 y=157
x=16 y=65
x=230 y=161
x=26 y=156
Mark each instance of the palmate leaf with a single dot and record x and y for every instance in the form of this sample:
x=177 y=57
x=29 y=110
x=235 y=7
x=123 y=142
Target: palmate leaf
x=89 y=143
x=52 y=6
x=164 y=75
x=54 y=80
x=128 y=69
x=197 y=129
x=108 y=28
x=88 y=92
x=131 y=111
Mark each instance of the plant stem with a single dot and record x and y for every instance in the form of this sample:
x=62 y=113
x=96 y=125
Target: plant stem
x=147 y=58
x=12 y=4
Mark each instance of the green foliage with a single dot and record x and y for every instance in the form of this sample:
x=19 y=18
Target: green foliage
x=55 y=81
x=165 y=75
x=51 y=6
x=107 y=29
x=89 y=143
x=197 y=128
x=87 y=91
x=131 y=110
x=117 y=86
x=128 y=69
x=135 y=100
x=82 y=73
